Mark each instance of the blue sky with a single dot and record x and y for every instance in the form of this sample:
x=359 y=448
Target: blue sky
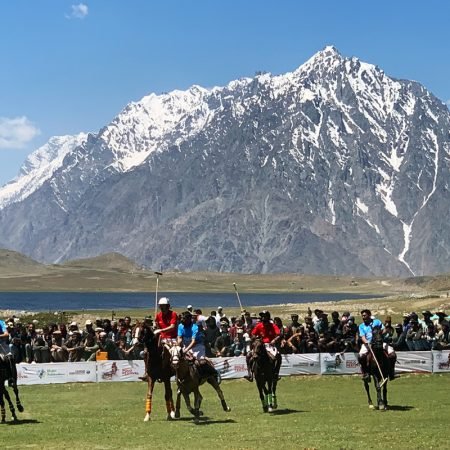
x=70 y=66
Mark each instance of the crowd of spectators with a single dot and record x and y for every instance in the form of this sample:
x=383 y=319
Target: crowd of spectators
x=223 y=336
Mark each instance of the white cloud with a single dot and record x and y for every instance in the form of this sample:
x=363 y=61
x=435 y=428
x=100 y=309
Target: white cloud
x=16 y=132
x=79 y=11
x=448 y=102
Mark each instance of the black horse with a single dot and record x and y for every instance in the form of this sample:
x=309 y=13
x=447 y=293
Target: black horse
x=264 y=368
x=379 y=369
x=157 y=364
x=8 y=373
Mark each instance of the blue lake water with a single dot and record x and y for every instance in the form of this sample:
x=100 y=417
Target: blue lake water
x=64 y=301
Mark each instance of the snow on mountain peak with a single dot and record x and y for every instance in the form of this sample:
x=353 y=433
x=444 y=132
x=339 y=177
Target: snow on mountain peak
x=145 y=126
x=39 y=167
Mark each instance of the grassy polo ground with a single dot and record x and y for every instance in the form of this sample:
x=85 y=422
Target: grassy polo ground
x=328 y=412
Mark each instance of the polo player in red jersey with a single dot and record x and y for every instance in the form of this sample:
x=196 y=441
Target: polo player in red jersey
x=270 y=334
x=166 y=322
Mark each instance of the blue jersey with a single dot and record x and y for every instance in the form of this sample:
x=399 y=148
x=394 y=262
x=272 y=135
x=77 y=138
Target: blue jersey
x=187 y=333
x=366 y=330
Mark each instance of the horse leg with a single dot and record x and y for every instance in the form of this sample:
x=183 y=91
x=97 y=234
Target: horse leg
x=367 y=388
x=213 y=382
x=385 y=396
x=262 y=393
x=187 y=400
x=10 y=403
x=169 y=399
x=197 y=403
x=177 y=405
x=20 y=408
x=148 y=401
x=378 y=388
x=2 y=403
x=274 y=393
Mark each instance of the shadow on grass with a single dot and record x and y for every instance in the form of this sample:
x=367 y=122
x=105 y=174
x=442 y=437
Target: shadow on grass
x=400 y=408
x=206 y=421
x=22 y=422
x=283 y=412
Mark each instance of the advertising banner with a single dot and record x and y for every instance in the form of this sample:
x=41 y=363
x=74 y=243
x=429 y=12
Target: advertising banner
x=304 y=364
x=120 y=370
x=84 y=372
x=339 y=363
x=414 y=362
x=441 y=361
x=229 y=368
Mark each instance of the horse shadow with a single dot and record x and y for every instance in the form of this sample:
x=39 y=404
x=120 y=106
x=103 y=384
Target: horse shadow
x=285 y=411
x=22 y=422
x=204 y=420
x=400 y=408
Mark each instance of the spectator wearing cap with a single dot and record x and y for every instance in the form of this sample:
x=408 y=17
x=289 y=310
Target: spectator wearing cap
x=294 y=325
x=114 y=333
x=238 y=346
x=74 y=346
x=220 y=315
x=58 y=350
x=190 y=308
x=107 y=345
x=389 y=331
x=406 y=319
x=222 y=345
x=426 y=321
x=88 y=329
x=212 y=332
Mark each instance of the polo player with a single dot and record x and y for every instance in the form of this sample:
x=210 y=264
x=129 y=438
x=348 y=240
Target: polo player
x=270 y=335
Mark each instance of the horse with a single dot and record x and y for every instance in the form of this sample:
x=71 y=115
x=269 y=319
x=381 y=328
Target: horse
x=189 y=380
x=264 y=372
x=379 y=365
x=8 y=372
x=157 y=364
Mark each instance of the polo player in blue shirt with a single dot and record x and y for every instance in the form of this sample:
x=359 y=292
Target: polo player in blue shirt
x=365 y=332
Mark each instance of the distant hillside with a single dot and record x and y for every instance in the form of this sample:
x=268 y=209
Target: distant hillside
x=107 y=261
x=13 y=263
x=436 y=283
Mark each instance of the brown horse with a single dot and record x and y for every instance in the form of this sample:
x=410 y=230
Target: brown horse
x=8 y=372
x=189 y=380
x=157 y=362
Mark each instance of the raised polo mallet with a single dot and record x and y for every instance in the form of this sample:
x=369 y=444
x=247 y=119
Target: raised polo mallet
x=237 y=295
x=158 y=274
x=378 y=365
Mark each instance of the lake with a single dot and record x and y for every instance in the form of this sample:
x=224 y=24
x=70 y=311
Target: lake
x=66 y=301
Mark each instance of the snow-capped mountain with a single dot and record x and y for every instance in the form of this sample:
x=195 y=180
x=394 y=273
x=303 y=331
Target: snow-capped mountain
x=332 y=168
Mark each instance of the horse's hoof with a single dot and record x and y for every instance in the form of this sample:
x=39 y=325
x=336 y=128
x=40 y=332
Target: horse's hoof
x=173 y=415
x=371 y=407
x=20 y=408
x=270 y=409
x=177 y=414
x=147 y=418
x=169 y=418
x=200 y=413
x=227 y=409
x=265 y=408
x=196 y=420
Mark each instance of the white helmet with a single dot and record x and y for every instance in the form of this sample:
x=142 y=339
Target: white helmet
x=164 y=301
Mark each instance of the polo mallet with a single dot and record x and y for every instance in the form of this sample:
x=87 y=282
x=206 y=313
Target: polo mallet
x=156 y=291
x=378 y=365
x=237 y=295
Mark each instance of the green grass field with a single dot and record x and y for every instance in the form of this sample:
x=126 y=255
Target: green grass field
x=314 y=412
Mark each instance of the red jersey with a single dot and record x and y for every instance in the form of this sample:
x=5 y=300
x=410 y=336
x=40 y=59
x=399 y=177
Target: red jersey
x=165 y=320
x=266 y=330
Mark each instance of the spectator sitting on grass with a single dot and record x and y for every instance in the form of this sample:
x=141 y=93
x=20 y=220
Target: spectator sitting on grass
x=222 y=346
x=58 y=350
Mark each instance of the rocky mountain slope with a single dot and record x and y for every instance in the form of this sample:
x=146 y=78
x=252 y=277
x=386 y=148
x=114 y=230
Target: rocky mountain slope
x=332 y=168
